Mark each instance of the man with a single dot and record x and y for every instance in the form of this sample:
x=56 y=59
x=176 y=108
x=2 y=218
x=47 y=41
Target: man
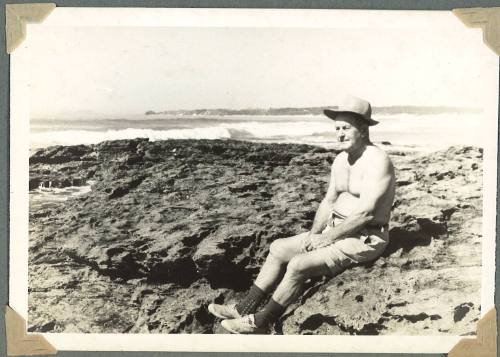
x=350 y=226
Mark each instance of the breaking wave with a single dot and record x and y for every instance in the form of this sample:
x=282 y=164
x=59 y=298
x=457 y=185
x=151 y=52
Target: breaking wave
x=403 y=129
x=238 y=131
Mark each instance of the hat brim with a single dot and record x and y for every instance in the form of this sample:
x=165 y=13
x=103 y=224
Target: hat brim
x=332 y=114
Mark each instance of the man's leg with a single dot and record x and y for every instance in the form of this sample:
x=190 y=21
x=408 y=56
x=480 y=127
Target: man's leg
x=324 y=261
x=281 y=251
x=328 y=260
x=299 y=269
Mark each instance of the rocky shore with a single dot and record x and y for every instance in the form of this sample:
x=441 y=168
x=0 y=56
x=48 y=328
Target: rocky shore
x=171 y=226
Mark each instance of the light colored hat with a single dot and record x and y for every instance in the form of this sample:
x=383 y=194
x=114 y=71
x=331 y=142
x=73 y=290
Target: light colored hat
x=355 y=105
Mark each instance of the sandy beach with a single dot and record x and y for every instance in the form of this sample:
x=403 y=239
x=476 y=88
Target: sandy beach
x=153 y=232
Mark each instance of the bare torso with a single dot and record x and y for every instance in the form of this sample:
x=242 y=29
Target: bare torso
x=349 y=180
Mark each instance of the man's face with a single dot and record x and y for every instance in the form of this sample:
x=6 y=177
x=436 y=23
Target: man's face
x=349 y=132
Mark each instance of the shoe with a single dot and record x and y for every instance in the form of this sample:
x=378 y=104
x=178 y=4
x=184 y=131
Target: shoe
x=244 y=325
x=224 y=311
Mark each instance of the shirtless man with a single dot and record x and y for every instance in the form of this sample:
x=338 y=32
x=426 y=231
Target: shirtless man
x=350 y=226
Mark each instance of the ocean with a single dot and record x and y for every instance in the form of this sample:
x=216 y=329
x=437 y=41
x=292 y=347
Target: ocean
x=398 y=132
x=426 y=132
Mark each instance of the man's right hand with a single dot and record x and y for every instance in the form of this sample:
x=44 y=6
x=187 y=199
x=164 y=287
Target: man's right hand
x=314 y=241
x=307 y=244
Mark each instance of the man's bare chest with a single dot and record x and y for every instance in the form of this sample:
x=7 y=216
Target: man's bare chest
x=349 y=178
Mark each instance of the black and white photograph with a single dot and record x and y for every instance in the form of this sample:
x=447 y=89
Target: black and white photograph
x=254 y=172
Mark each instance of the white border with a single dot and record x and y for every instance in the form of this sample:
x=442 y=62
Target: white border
x=19 y=124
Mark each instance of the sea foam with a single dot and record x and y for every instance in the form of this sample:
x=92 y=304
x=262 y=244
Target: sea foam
x=247 y=130
x=408 y=129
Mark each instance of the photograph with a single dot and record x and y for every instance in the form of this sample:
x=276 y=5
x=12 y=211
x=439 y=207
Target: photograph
x=253 y=172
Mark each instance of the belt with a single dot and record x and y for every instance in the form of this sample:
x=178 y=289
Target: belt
x=378 y=226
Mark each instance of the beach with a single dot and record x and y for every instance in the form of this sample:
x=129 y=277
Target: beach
x=139 y=235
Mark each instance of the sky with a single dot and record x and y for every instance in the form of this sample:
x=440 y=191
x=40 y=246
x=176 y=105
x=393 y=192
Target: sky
x=129 y=70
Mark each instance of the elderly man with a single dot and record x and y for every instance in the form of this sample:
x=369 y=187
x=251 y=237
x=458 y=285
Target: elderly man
x=350 y=226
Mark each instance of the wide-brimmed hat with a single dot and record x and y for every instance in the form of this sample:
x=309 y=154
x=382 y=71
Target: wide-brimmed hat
x=354 y=105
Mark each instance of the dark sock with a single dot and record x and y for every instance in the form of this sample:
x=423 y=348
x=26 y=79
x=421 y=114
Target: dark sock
x=250 y=303
x=270 y=314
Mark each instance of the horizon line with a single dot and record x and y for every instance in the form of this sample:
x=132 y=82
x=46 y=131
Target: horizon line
x=165 y=111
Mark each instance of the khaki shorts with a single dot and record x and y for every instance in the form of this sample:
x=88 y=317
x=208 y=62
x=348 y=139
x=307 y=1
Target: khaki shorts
x=365 y=246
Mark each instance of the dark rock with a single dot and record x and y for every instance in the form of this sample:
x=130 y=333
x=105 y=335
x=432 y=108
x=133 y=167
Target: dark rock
x=126 y=187
x=59 y=154
x=118 y=192
x=171 y=226
x=461 y=310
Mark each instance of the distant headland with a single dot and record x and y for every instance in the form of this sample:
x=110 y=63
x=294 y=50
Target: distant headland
x=422 y=110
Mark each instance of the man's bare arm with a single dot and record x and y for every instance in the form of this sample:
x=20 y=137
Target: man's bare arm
x=376 y=183
x=322 y=214
x=325 y=207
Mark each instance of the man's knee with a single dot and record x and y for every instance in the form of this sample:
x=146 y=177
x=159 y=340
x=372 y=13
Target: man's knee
x=285 y=249
x=278 y=250
x=297 y=268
